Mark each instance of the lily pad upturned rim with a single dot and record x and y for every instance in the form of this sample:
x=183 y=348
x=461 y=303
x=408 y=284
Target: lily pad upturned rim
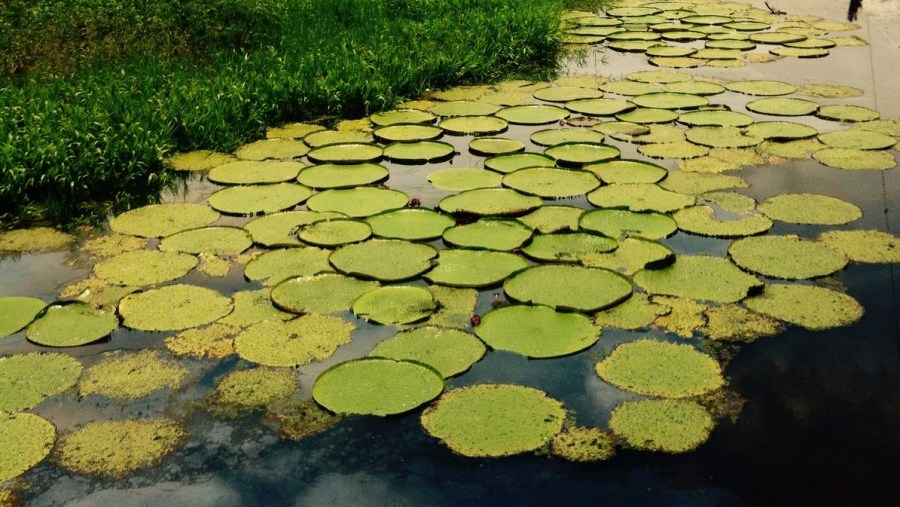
x=16 y=312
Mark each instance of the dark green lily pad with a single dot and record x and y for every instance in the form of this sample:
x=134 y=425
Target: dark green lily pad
x=331 y=233
x=474 y=268
x=384 y=259
x=701 y=220
x=579 y=154
x=788 y=257
x=464 y=108
x=278 y=229
x=508 y=163
x=700 y=277
x=867 y=246
x=856 y=160
x=198 y=160
x=412 y=224
x=627 y=171
x=376 y=386
x=255 y=199
x=807 y=306
x=130 y=375
x=277 y=149
x=490 y=146
x=639 y=197
x=700 y=183
x=322 y=293
x=551 y=183
x=296 y=342
x=458 y=179
x=761 y=87
x=673 y=426
x=715 y=119
x=449 y=351
x=345 y=153
x=658 y=368
x=554 y=136
x=145 y=267
x=566 y=93
x=616 y=223
x=25 y=440
x=254 y=172
x=568 y=287
x=778 y=106
x=419 y=152
x=396 y=304
x=327 y=137
x=537 y=331
x=489 y=234
x=780 y=130
x=173 y=307
x=29 y=379
x=407 y=133
x=71 y=325
x=16 y=312
x=677 y=150
x=214 y=240
x=489 y=201
x=276 y=265
x=342 y=175
x=157 y=220
x=600 y=107
x=811 y=209
x=857 y=139
x=532 y=114
x=567 y=247
x=358 y=202
x=633 y=254
x=396 y=116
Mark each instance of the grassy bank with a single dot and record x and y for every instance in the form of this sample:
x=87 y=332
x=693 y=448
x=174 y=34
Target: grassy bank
x=94 y=93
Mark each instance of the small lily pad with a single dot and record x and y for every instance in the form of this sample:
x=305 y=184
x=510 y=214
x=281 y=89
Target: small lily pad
x=700 y=277
x=173 y=307
x=457 y=179
x=554 y=136
x=131 y=375
x=322 y=293
x=419 y=152
x=396 y=304
x=550 y=183
x=567 y=247
x=788 y=257
x=358 y=202
x=29 y=379
x=780 y=130
x=277 y=265
x=411 y=224
x=639 y=197
x=856 y=160
x=673 y=426
x=811 y=209
x=508 y=163
x=342 y=175
x=296 y=342
x=277 y=229
x=407 y=133
x=474 y=268
x=345 y=153
x=616 y=223
x=568 y=287
x=761 y=87
x=632 y=255
x=157 y=220
x=396 y=116
x=807 y=306
x=490 y=146
x=701 y=220
x=779 y=106
x=600 y=107
x=627 y=171
x=71 y=325
x=537 y=331
x=214 y=240
x=857 y=139
x=490 y=201
x=449 y=351
x=489 y=233
x=579 y=154
x=254 y=172
x=678 y=150
x=256 y=199
x=384 y=259
x=25 y=440
x=532 y=114
x=332 y=233
x=16 y=312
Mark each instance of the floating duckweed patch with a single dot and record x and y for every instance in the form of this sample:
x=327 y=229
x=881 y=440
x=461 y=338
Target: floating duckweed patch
x=449 y=351
x=345 y=153
x=490 y=146
x=419 y=152
x=568 y=287
x=214 y=240
x=457 y=179
x=464 y=108
x=508 y=163
x=474 y=268
x=788 y=257
x=251 y=307
x=673 y=426
x=847 y=113
x=329 y=137
x=616 y=223
x=298 y=419
x=578 y=154
x=551 y=183
x=807 y=306
x=583 y=445
x=636 y=312
x=377 y=386
x=700 y=277
x=455 y=307
x=780 y=130
x=532 y=114
x=342 y=175
x=490 y=201
x=117 y=448
x=173 y=308
x=554 y=136
x=213 y=342
x=158 y=220
x=279 y=149
x=247 y=172
x=722 y=137
x=761 y=87
x=276 y=265
x=567 y=247
x=493 y=420
x=130 y=375
x=628 y=171
x=797 y=150
x=548 y=219
x=700 y=183
x=71 y=325
x=25 y=440
x=17 y=312
x=657 y=368
x=255 y=388
x=145 y=267
x=737 y=324
x=632 y=255
x=684 y=318
x=384 y=259
x=566 y=93
x=489 y=233
x=37 y=239
x=779 y=106
x=406 y=133
x=396 y=116
x=358 y=202
x=730 y=201
x=412 y=224
x=331 y=233
x=197 y=161
x=857 y=139
x=677 y=150
x=810 y=209
x=868 y=246
x=701 y=220
x=599 y=107
x=669 y=100
x=278 y=229
x=323 y=293
x=856 y=160
x=639 y=197
x=109 y=245
x=28 y=379
x=395 y=305
x=256 y=199
x=715 y=119
x=308 y=338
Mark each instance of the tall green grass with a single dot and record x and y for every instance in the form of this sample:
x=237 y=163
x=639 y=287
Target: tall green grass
x=84 y=131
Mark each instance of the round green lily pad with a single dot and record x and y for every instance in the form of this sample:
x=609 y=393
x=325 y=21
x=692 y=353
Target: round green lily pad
x=673 y=426
x=796 y=150
x=145 y=267
x=694 y=87
x=278 y=229
x=474 y=268
x=71 y=325
x=130 y=375
x=412 y=224
x=536 y=331
x=847 y=113
x=733 y=44
x=639 y=197
x=406 y=133
x=279 y=149
x=810 y=209
x=276 y=265
x=627 y=171
x=342 y=175
x=247 y=172
x=551 y=183
x=856 y=160
x=568 y=287
x=293 y=130
x=115 y=449
x=669 y=100
x=566 y=93
x=376 y=386
x=25 y=440
x=489 y=233
x=490 y=146
x=345 y=153
x=780 y=130
x=700 y=183
x=554 y=136
x=464 y=108
x=761 y=87
x=419 y=152
x=449 y=351
x=489 y=201
x=508 y=163
x=658 y=368
x=308 y=338
x=778 y=37
x=888 y=127
x=677 y=150
x=157 y=220
x=632 y=255
x=779 y=106
x=658 y=76
x=715 y=119
x=616 y=223
x=677 y=62
x=868 y=246
x=214 y=341
x=395 y=116
x=798 y=52
x=327 y=137
x=384 y=259
x=474 y=125
x=493 y=420
x=722 y=137
x=322 y=293
x=549 y=219
x=255 y=388
x=600 y=107
x=567 y=247
x=198 y=160
x=458 y=179
x=578 y=154
x=214 y=240
x=255 y=199
x=17 y=312
x=857 y=139
x=788 y=257
x=807 y=306
x=28 y=379
x=396 y=304
x=331 y=233
x=701 y=220
x=648 y=115
x=532 y=114
x=173 y=307
x=700 y=277
x=358 y=202
x=670 y=51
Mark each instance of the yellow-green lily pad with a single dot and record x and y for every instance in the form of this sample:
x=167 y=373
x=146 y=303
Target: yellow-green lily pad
x=16 y=312
x=25 y=440
x=197 y=161
x=567 y=247
x=308 y=338
x=780 y=106
x=411 y=224
x=796 y=150
x=490 y=201
x=490 y=146
x=788 y=257
x=551 y=183
x=636 y=312
x=583 y=445
x=358 y=202
x=474 y=125
x=579 y=154
x=857 y=139
x=722 y=137
x=627 y=171
x=856 y=160
x=669 y=100
x=464 y=108
x=407 y=133
x=278 y=149
x=566 y=93
x=807 y=306
x=332 y=233
x=129 y=375
x=489 y=233
x=761 y=87
x=36 y=239
x=537 y=331
x=397 y=304
x=419 y=152
x=328 y=137
x=256 y=199
x=28 y=379
x=276 y=265
x=474 y=268
x=677 y=149
x=600 y=107
x=700 y=277
x=568 y=287
x=672 y=426
x=700 y=183
x=632 y=255
x=214 y=240
x=701 y=220
x=395 y=116
x=254 y=388
x=449 y=351
x=459 y=179
x=648 y=116
x=322 y=293
x=342 y=175
x=554 y=136
x=513 y=162
x=532 y=114
x=158 y=220
x=346 y=153
x=810 y=209
x=715 y=118
x=780 y=130
x=735 y=323
x=639 y=197
x=867 y=246
x=246 y=172
x=384 y=259
x=277 y=229
x=145 y=267
x=215 y=341
x=173 y=307
x=616 y=223
x=71 y=325
x=548 y=219
x=293 y=130
x=847 y=113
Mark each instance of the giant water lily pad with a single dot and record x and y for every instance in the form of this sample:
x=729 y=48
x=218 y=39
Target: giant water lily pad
x=278 y=229
x=493 y=420
x=407 y=133
x=848 y=113
x=639 y=197
x=868 y=246
x=715 y=118
x=856 y=160
x=37 y=239
x=659 y=76
x=254 y=388
x=656 y=134
x=384 y=259
x=145 y=267
x=761 y=87
x=700 y=277
x=568 y=287
x=198 y=160
x=554 y=136
x=722 y=137
x=489 y=201
x=807 y=306
x=578 y=154
x=811 y=209
x=308 y=338
x=17 y=312
x=214 y=240
x=412 y=224
x=648 y=116
x=677 y=149
x=789 y=257
x=780 y=130
x=251 y=307
x=673 y=426
x=456 y=307
x=635 y=313
x=464 y=108
x=551 y=183
x=632 y=255
x=628 y=171
x=583 y=445
x=566 y=93
x=331 y=233
x=616 y=223
x=567 y=247
x=449 y=351
x=213 y=342
x=458 y=179
x=669 y=100
x=173 y=307
x=513 y=162
x=358 y=202
x=778 y=106
x=247 y=172
x=342 y=175
x=474 y=125
x=25 y=440
x=600 y=107
x=888 y=127
x=489 y=233
x=735 y=323
x=702 y=220
x=395 y=305
x=323 y=138
x=293 y=130
x=276 y=265
x=490 y=146
x=323 y=293
x=549 y=219
x=28 y=379
x=700 y=183
x=532 y=114
x=157 y=220
x=396 y=116
x=279 y=149
x=345 y=153
x=474 y=268
x=659 y=368
x=703 y=88
x=108 y=245
x=857 y=139
x=255 y=199
x=537 y=331
x=129 y=375
x=71 y=325
x=798 y=150
x=419 y=152
x=377 y=386
x=115 y=449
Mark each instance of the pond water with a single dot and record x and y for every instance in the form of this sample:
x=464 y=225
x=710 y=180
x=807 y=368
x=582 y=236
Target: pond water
x=821 y=408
